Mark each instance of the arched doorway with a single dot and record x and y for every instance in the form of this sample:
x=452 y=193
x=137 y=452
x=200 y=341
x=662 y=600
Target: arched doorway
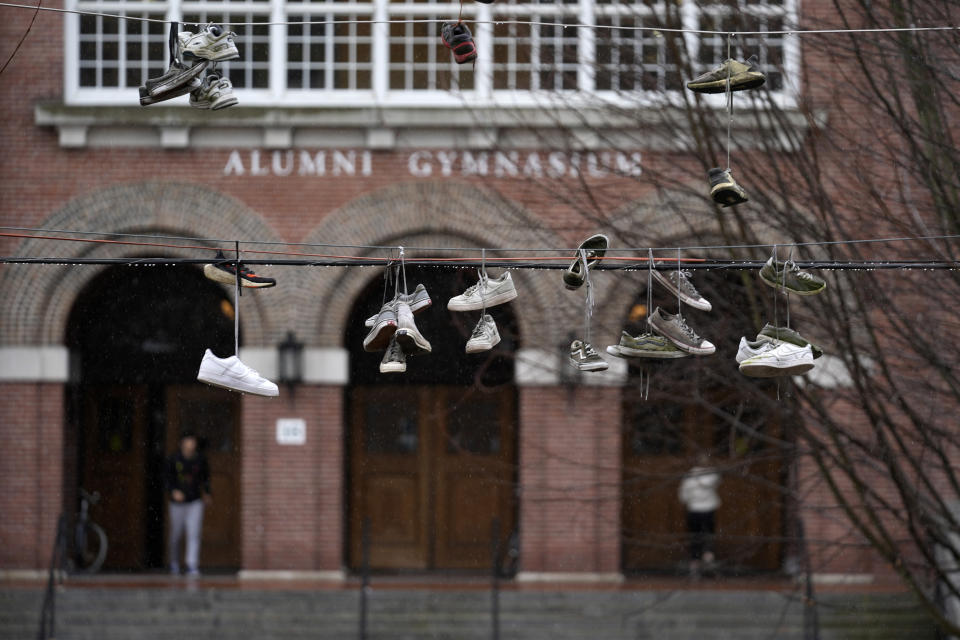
x=696 y=406
x=138 y=334
x=432 y=452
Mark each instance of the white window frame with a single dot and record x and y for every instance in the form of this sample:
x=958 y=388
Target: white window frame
x=478 y=15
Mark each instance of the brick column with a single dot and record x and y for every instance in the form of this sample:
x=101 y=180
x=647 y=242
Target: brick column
x=570 y=468
x=31 y=472
x=292 y=514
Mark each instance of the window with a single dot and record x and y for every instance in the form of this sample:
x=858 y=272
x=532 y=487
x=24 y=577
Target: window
x=389 y=52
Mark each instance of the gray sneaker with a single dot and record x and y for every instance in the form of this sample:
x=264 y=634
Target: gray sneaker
x=394 y=359
x=408 y=336
x=687 y=292
x=485 y=335
x=585 y=357
x=783 y=334
x=419 y=300
x=213 y=43
x=645 y=345
x=675 y=329
x=789 y=276
x=179 y=79
x=738 y=73
x=487 y=292
x=383 y=328
x=724 y=189
x=595 y=248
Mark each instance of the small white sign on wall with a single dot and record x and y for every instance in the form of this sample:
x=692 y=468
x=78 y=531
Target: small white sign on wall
x=291 y=431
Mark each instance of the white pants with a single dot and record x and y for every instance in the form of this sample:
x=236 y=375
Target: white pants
x=185 y=516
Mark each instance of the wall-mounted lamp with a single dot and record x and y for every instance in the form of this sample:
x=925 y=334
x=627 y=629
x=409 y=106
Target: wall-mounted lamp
x=290 y=360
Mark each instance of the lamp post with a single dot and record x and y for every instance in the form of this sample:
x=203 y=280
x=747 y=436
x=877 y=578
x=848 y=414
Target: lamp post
x=290 y=361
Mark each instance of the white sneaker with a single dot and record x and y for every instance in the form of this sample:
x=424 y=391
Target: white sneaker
x=394 y=360
x=231 y=373
x=749 y=349
x=784 y=360
x=212 y=43
x=408 y=336
x=215 y=93
x=492 y=291
x=485 y=335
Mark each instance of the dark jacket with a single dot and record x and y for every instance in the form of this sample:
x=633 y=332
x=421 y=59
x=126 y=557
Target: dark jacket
x=191 y=476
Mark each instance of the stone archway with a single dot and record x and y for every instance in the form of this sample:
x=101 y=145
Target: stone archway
x=39 y=297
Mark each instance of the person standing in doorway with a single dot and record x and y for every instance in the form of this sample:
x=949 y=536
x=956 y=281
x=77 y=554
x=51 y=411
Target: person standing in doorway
x=187 y=482
x=698 y=493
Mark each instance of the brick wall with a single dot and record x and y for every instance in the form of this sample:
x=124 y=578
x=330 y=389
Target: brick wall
x=31 y=469
x=569 y=479
x=292 y=495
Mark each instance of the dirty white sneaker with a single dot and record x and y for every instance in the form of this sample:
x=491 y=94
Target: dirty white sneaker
x=784 y=360
x=585 y=357
x=487 y=292
x=213 y=43
x=408 y=336
x=231 y=373
x=394 y=360
x=485 y=335
x=215 y=93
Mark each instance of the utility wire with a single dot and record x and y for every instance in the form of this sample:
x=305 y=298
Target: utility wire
x=31 y=233
x=492 y=22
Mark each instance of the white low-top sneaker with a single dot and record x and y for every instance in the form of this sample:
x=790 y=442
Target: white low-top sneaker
x=749 y=349
x=408 y=336
x=485 y=335
x=784 y=360
x=231 y=373
x=487 y=292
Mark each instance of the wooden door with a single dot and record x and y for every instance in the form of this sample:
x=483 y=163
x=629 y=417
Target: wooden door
x=115 y=447
x=431 y=467
x=213 y=415
x=661 y=443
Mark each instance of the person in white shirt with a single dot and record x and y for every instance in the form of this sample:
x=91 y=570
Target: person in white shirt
x=698 y=493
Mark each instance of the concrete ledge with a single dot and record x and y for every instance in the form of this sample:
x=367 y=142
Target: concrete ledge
x=320 y=366
x=542 y=368
x=567 y=577
x=46 y=363
x=32 y=575
x=842 y=578
x=314 y=576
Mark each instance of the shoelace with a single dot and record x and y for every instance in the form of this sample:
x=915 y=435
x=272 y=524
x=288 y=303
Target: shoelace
x=685 y=285
x=394 y=352
x=687 y=330
x=479 y=330
x=792 y=267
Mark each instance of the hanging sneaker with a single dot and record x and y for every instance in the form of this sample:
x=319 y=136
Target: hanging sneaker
x=595 y=247
x=645 y=345
x=678 y=283
x=215 y=93
x=485 y=335
x=739 y=74
x=748 y=349
x=784 y=360
x=179 y=78
x=226 y=273
x=394 y=359
x=383 y=328
x=419 y=300
x=784 y=334
x=408 y=336
x=231 y=373
x=493 y=291
x=585 y=357
x=675 y=329
x=789 y=276
x=457 y=38
x=724 y=189
x=213 y=43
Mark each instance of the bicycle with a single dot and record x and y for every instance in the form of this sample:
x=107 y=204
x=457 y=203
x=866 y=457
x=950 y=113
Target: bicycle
x=89 y=540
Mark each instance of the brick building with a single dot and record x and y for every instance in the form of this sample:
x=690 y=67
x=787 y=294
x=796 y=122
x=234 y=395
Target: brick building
x=345 y=137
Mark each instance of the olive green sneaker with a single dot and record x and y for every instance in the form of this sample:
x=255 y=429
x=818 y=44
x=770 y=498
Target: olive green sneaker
x=789 y=276
x=645 y=345
x=784 y=334
x=740 y=75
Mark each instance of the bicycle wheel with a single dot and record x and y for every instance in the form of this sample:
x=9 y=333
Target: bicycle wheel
x=91 y=549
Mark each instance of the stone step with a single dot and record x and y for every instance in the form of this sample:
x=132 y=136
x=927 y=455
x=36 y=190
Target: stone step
x=421 y=614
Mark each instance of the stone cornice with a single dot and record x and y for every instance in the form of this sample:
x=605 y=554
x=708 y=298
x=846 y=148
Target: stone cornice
x=568 y=127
